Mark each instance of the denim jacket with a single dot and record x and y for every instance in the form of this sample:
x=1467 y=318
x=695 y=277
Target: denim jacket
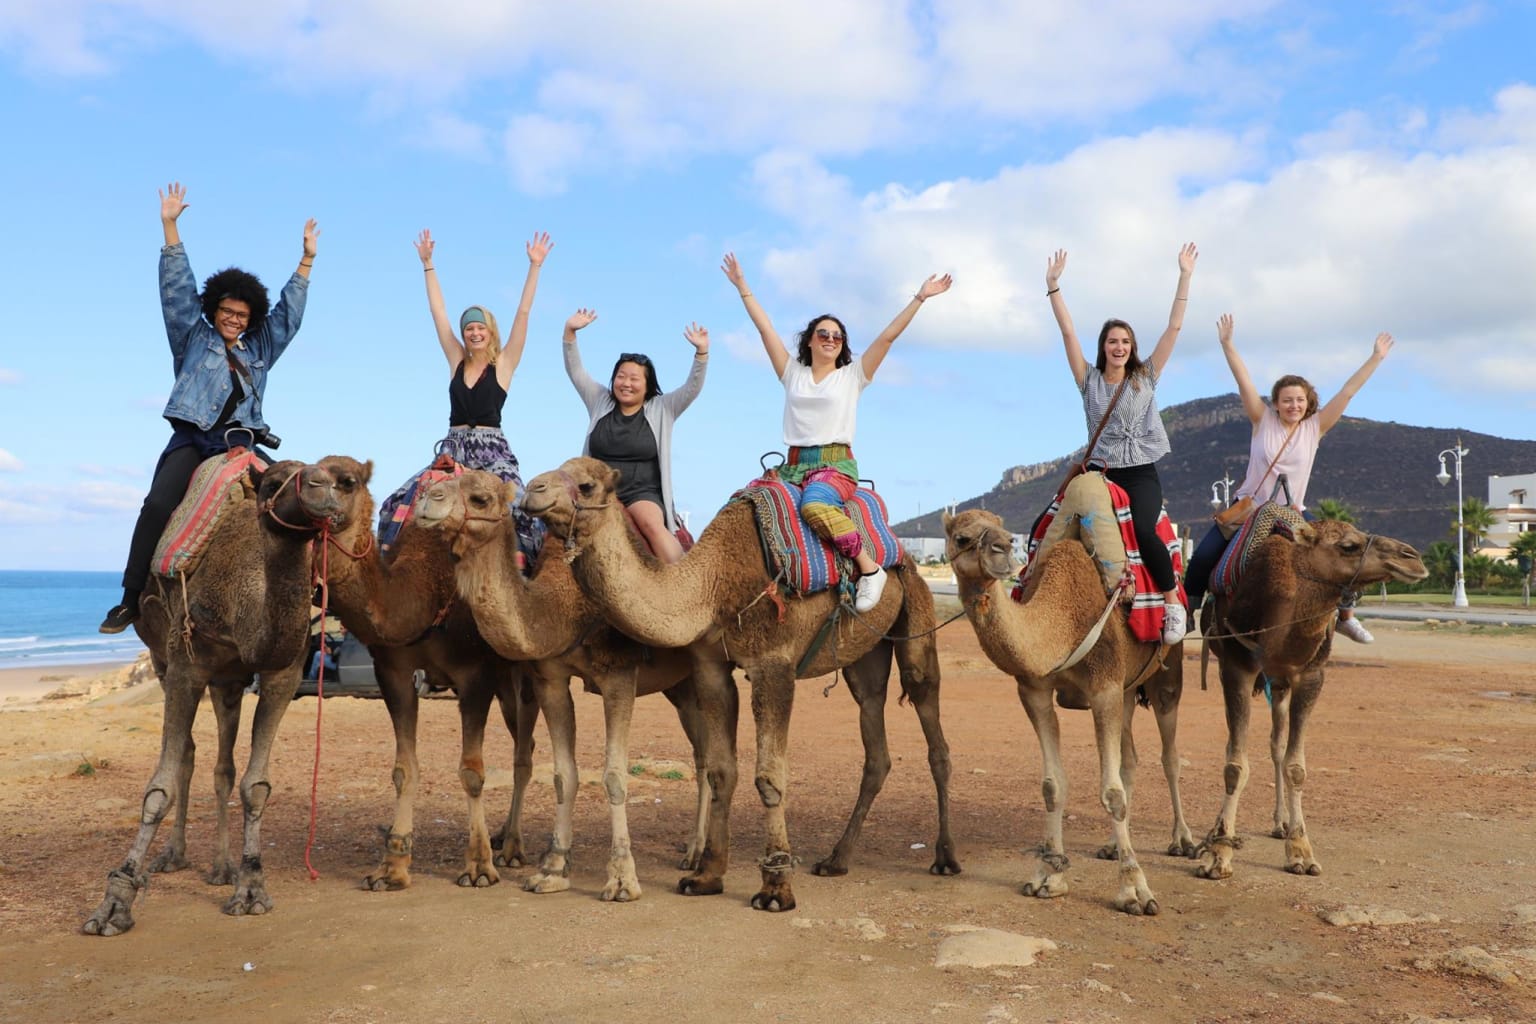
x=198 y=353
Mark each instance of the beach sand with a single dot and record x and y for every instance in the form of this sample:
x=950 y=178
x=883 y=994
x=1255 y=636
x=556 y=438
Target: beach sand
x=21 y=685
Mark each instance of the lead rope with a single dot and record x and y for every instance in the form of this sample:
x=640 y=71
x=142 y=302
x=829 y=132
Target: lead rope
x=314 y=782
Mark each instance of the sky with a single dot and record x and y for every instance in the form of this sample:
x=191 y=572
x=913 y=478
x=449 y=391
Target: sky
x=1344 y=170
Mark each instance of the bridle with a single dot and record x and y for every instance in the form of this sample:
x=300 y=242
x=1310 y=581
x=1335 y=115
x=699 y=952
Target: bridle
x=268 y=507
x=1370 y=539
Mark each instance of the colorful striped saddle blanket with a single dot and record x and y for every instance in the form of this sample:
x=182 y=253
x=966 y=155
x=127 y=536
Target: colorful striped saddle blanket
x=1268 y=519
x=443 y=468
x=218 y=487
x=804 y=562
x=1146 y=606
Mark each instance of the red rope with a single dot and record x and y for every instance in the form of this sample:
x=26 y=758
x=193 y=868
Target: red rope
x=314 y=782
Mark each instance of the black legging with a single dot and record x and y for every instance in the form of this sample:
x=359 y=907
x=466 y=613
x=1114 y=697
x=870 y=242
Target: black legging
x=1146 y=494
x=172 y=475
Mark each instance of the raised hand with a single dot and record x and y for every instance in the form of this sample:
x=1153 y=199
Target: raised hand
x=424 y=246
x=172 y=201
x=935 y=285
x=1053 y=268
x=1224 y=329
x=539 y=248
x=1383 y=345
x=1187 y=256
x=698 y=337
x=733 y=271
x=580 y=319
x=311 y=236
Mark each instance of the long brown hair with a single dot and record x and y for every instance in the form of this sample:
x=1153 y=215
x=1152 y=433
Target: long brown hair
x=1134 y=367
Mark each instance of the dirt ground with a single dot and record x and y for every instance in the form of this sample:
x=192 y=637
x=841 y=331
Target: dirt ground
x=1420 y=800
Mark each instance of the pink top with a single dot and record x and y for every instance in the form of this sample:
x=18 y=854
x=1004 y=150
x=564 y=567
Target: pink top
x=1268 y=435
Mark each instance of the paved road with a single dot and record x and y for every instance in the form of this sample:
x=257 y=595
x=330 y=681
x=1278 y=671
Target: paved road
x=1485 y=616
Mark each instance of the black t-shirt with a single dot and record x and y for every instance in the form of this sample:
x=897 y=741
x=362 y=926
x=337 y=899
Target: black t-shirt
x=628 y=444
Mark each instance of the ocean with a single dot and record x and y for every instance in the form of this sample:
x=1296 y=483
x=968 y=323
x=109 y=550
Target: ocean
x=50 y=618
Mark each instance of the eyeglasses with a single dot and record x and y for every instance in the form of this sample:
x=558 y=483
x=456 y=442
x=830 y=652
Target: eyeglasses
x=826 y=335
x=234 y=314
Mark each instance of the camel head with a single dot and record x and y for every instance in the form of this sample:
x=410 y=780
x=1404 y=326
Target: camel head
x=978 y=545
x=471 y=510
x=295 y=496
x=561 y=495
x=1337 y=553
x=350 y=480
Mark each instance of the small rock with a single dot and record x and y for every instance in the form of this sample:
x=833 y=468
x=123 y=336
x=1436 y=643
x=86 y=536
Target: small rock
x=1328 y=997
x=1470 y=962
x=1372 y=915
x=247 y=966
x=1094 y=985
x=990 y=947
x=918 y=846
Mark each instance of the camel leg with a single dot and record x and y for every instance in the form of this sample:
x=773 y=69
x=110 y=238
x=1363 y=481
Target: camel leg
x=277 y=689
x=623 y=883
x=925 y=701
x=868 y=681
x=399 y=692
x=1128 y=763
x=1050 y=877
x=1216 y=851
x=1279 y=718
x=1134 y=896
x=1299 y=859
x=173 y=856
x=114 y=915
x=521 y=712
x=553 y=688
x=773 y=696
x=918 y=662
x=1167 y=716
x=226 y=698
x=686 y=702
x=474 y=708
x=718 y=704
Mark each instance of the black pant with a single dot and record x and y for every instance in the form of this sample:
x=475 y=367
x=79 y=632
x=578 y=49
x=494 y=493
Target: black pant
x=172 y=475
x=1146 y=494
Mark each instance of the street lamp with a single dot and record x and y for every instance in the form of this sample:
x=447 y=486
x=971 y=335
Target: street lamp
x=1459 y=593
x=1221 y=491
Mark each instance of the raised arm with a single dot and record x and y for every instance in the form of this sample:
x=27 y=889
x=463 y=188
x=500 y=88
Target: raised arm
x=590 y=390
x=453 y=348
x=282 y=323
x=878 y=349
x=1187 y=256
x=517 y=337
x=1053 y=269
x=778 y=355
x=682 y=397
x=1329 y=414
x=180 y=306
x=172 y=202
x=1253 y=404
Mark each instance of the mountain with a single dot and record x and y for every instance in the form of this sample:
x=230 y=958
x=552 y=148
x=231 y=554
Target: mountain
x=1384 y=471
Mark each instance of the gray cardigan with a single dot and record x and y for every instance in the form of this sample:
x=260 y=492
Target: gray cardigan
x=660 y=412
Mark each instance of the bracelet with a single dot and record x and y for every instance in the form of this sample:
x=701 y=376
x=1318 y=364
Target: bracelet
x=919 y=298
x=746 y=295
x=427 y=270
x=309 y=264
x=1053 y=291
x=1179 y=298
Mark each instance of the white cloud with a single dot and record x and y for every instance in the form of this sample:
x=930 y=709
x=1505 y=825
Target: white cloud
x=541 y=152
x=9 y=463
x=79 y=501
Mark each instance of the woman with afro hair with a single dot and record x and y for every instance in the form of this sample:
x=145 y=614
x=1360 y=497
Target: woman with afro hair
x=822 y=385
x=223 y=343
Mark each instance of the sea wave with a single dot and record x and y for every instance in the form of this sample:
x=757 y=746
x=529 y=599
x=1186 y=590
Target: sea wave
x=24 y=652
x=7 y=642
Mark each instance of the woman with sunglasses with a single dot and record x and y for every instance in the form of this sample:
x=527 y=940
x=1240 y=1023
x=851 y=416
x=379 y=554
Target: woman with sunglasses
x=630 y=428
x=822 y=386
x=480 y=370
x=1132 y=438
x=223 y=340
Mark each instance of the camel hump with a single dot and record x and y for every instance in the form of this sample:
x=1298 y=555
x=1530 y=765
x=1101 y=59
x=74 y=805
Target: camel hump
x=1085 y=511
x=794 y=553
x=217 y=488
x=1268 y=520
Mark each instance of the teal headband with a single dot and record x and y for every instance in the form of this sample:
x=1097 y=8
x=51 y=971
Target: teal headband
x=472 y=315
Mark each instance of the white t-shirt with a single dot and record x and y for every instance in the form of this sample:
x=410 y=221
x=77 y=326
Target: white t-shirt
x=824 y=413
x=1268 y=435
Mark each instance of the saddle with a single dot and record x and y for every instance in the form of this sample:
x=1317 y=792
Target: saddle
x=443 y=468
x=802 y=561
x=218 y=487
x=1268 y=519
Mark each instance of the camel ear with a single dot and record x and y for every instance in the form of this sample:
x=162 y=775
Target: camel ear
x=509 y=491
x=946 y=518
x=612 y=482
x=1306 y=535
x=367 y=473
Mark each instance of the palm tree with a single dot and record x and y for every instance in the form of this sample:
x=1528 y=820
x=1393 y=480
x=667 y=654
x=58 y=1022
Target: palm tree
x=1525 y=544
x=1333 y=508
x=1476 y=519
x=1440 y=560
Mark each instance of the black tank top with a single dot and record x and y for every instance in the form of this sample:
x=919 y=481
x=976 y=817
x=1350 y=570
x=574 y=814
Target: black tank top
x=478 y=406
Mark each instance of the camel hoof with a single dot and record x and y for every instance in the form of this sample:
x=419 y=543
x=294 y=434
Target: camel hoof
x=513 y=859
x=944 y=866
x=169 y=861
x=1182 y=847
x=252 y=901
x=690 y=862
x=700 y=885
x=773 y=902
x=1151 y=909
x=541 y=883
x=477 y=880
x=829 y=868
x=386 y=883
x=1303 y=868
x=1042 y=890
x=1215 y=872
x=1279 y=832
x=108 y=922
x=621 y=892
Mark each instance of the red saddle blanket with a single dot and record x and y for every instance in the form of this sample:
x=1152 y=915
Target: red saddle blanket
x=217 y=488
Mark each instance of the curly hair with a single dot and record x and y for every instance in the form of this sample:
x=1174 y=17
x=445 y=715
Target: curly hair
x=234 y=283
x=1291 y=380
x=803 y=353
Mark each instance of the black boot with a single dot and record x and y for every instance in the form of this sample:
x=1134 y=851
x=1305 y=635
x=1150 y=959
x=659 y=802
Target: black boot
x=121 y=616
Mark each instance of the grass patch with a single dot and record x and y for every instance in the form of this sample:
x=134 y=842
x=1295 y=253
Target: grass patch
x=673 y=774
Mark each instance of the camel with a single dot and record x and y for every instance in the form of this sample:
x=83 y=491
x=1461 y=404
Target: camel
x=1031 y=641
x=404 y=610
x=1279 y=626
x=549 y=622
x=203 y=633
x=720 y=601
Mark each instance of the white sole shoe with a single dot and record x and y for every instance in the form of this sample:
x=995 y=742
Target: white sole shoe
x=1355 y=630
x=867 y=593
x=1174 y=626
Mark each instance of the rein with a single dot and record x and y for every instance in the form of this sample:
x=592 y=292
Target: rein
x=269 y=508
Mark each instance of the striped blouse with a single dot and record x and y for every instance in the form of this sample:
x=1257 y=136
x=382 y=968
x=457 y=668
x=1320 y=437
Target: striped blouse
x=1134 y=435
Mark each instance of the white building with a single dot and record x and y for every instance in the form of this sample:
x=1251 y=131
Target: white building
x=1512 y=500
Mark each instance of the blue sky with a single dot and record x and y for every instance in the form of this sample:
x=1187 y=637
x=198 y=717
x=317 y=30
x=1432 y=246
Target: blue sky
x=1345 y=169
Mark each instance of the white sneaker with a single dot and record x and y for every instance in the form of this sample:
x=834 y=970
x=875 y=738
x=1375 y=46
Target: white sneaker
x=1173 y=623
x=867 y=593
x=1355 y=630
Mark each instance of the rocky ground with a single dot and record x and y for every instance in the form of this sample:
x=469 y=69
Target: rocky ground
x=1420 y=803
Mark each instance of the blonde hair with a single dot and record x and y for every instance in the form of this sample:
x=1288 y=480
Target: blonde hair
x=494 y=348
